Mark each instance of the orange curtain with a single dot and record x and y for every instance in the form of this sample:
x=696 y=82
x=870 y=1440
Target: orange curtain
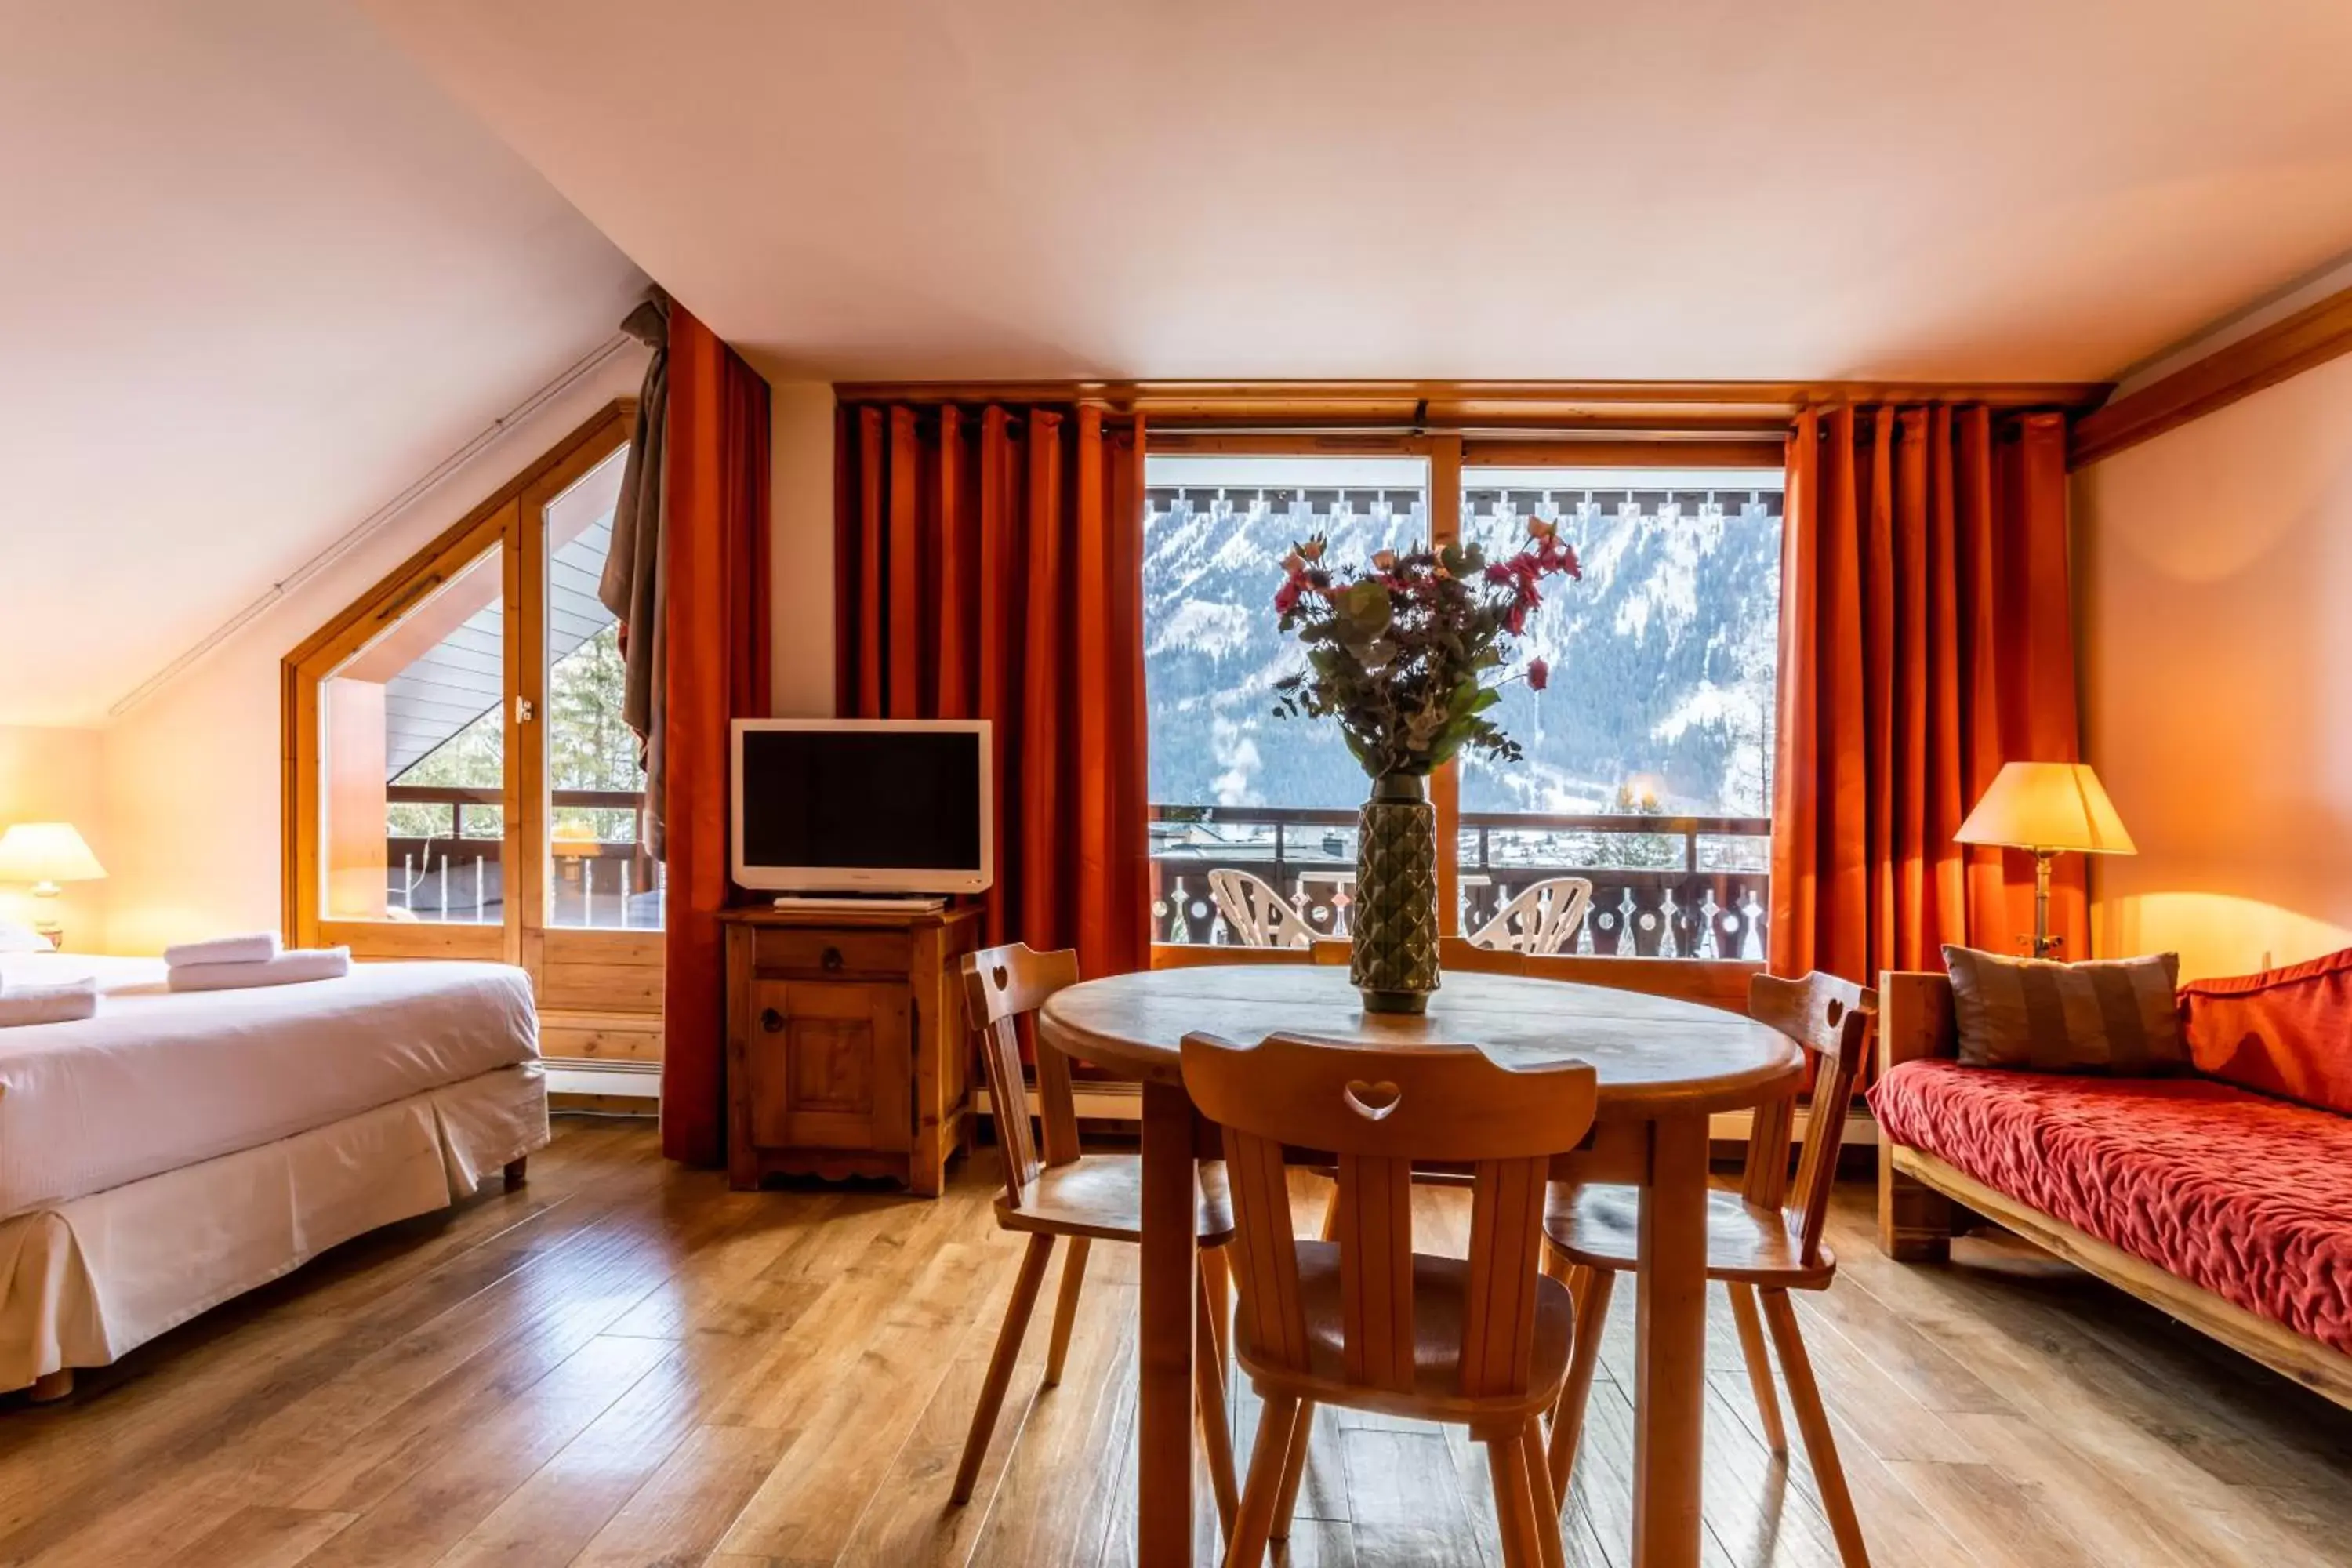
x=715 y=558
x=1926 y=638
x=989 y=565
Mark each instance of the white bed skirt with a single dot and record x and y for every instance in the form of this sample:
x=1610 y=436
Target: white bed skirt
x=86 y=1280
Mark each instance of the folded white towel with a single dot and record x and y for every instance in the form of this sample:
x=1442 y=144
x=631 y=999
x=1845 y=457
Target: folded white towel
x=287 y=969
x=254 y=949
x=48 y=1004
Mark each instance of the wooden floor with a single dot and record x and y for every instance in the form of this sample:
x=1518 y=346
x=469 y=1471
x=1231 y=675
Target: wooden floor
x=626 y=1362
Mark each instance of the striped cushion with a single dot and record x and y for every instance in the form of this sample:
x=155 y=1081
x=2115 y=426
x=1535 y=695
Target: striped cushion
x=2110 y=1016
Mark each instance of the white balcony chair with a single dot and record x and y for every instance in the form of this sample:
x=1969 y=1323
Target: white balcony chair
x=1255 y=913
x=1546 y=915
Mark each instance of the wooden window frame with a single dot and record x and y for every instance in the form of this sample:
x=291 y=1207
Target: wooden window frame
x=1450 y=454
x=566 y=964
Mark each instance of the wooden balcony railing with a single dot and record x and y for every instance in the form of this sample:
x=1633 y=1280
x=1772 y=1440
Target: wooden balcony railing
x=1663 y=887
x=460 y=875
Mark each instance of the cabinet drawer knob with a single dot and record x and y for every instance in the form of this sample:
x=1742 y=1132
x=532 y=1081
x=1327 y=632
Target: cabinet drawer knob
x=832 y=960
x=771 y=1020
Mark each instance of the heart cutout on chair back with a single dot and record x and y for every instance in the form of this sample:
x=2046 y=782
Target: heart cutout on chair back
x=1373 y=1102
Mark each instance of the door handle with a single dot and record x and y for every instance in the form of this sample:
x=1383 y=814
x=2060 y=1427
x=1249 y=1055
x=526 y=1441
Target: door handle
x=771 y=1021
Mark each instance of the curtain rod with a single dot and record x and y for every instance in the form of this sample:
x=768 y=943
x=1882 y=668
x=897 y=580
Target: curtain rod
x=1746 y=431
x=1454 y=401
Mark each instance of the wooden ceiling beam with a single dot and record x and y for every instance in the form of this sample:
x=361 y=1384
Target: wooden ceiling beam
x=2290 y=346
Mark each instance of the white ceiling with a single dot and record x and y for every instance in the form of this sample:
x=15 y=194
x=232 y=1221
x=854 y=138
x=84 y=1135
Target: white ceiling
x=1486 y=188
x=258 y=275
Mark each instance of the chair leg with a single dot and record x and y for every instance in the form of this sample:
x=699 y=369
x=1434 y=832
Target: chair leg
x=1066 y=1307
x=1759 y=1366
x=1515 y=1503
x=1548 y=1544
x=1246 y=1549
x=1578 y=1280
x=1216 y=1428
x=1000 y=1364
x=1217 y=1269
x=1821 y=1447
x=1568 y=1425
x=1294 y=1470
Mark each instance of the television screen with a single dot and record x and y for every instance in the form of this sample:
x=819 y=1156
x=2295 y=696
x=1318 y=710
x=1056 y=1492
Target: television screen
x=843 y=804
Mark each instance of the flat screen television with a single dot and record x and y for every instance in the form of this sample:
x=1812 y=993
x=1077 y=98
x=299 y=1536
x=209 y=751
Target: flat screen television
x=863 y=805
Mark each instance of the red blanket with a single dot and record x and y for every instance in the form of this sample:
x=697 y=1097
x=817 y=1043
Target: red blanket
x=2248 y=1196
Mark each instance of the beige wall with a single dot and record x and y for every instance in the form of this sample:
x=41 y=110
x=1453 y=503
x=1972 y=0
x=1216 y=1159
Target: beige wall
x=54 y=775
x=801 y=559
x=192 y=773
x=2216 y=581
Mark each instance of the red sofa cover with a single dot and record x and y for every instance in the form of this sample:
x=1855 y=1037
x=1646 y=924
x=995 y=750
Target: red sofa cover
x=2248 y=1196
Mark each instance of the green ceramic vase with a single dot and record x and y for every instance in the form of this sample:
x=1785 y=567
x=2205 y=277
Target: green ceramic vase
x=1393 y=959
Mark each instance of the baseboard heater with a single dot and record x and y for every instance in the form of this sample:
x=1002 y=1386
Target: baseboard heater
x=587 y=1074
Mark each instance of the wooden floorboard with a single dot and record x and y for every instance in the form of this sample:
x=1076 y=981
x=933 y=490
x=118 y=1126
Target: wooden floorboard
x=625 y=1365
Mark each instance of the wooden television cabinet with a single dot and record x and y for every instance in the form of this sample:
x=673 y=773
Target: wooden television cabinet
x=847 y=1050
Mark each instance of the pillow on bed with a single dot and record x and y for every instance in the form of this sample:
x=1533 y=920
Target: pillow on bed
x=2107 y=1015
x=14 y=938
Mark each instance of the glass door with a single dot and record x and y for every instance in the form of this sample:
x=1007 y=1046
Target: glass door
x=591 y=912
x=409 y=784
x=460 y=781
x=601 y=873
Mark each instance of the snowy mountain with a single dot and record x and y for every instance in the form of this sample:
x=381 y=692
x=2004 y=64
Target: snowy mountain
x=1662 y=658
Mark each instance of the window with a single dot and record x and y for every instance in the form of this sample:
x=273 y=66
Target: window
x=1660 y=706
x=412 y=758
x=1647 y=769
x=460 y=782
x=599 y=873
x=1234 y=789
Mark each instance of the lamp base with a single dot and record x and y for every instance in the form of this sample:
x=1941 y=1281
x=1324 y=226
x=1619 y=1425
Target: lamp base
x=47 y=892
x=2044 y=944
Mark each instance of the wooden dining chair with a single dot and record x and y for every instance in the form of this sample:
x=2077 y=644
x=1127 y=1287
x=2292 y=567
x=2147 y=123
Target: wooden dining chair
x=1085 y=1198
x=1362 y=1321
x=1762 y=1242
x=1256 y=913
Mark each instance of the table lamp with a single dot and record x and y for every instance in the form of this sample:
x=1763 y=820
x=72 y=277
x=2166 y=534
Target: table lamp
x=2046 y=807
x=45 y=853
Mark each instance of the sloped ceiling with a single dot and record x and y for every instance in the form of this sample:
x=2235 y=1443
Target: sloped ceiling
x=1500 y=188
x=257 y=274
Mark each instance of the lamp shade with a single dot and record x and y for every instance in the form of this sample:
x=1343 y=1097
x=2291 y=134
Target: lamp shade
x=47 y=852
x=2047 y=806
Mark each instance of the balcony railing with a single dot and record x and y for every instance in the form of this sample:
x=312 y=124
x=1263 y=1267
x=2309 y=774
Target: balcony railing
x=1663 y=887
x=459 y=876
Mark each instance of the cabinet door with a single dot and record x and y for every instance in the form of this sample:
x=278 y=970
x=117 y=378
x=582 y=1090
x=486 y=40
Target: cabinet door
x=831 y=1064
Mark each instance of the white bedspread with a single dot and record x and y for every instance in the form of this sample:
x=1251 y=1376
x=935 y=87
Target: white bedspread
x=160 y=1079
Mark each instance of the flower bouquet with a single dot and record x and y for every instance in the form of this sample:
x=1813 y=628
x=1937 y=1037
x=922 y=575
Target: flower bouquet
x=1399 y=652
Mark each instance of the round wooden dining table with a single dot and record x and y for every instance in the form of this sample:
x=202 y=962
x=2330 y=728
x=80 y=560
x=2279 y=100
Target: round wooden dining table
x=1664 y=1066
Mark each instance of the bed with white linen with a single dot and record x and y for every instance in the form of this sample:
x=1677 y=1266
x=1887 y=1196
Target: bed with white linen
x=180 y=1148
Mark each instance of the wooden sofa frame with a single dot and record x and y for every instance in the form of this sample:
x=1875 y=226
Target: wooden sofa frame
x=1918 y=1196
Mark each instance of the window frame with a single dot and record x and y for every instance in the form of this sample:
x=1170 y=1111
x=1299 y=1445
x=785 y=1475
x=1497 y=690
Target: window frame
x=512 y=521
x=1451 y=455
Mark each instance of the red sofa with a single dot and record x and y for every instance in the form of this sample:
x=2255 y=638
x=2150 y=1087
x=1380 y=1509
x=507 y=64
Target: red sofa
x=2228 y=1207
